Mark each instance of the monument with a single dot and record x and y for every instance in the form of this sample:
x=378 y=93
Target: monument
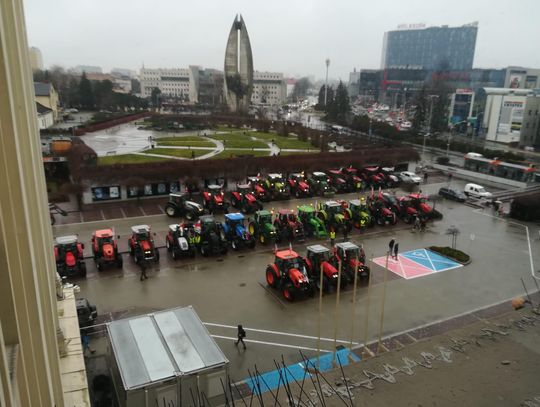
x=238 y=70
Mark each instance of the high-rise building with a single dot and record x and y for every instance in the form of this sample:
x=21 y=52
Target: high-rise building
x=238 y=67
x=269 y=88
x=431 y=48
x=171 y=82
x=36 y=60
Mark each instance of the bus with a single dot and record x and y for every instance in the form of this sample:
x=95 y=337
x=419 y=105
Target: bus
x=497 y=168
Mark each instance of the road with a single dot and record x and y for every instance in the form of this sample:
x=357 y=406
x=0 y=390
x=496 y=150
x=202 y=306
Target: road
x=231 y=290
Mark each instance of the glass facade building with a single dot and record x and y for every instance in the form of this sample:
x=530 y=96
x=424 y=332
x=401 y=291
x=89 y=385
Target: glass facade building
x=432 y=48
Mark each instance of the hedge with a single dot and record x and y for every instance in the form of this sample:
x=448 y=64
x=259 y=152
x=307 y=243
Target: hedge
x=453 y=254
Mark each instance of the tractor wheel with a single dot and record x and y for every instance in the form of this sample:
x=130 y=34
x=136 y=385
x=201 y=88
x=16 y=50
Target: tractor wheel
x=252 y=228
x=204 y=251
x=407 y=219
x=99 y=265
x=271 y=277
x=288 y=293
x=119 y=261
x=380 y=221
x=234 y=245
x=82 y=268
x=357 y=224
x=170 y=210
x=190 y=215
x=297 y=194
x=156 y=256
x=262 y=238
x=169 y=246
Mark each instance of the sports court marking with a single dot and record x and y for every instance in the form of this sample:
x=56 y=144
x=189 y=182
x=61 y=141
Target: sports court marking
x=417 y=263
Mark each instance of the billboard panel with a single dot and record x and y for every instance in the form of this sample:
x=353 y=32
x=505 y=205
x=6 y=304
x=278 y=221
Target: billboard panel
x=511 y=117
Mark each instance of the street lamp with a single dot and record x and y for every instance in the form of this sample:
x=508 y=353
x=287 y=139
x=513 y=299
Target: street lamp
x=326 y=82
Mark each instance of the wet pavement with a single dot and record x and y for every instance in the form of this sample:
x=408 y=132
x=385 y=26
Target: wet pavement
x=231 y=290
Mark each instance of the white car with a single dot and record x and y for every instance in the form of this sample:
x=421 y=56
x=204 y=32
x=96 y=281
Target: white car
x=408 y=176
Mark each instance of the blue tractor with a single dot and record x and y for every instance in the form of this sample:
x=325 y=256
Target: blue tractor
x=236 y=232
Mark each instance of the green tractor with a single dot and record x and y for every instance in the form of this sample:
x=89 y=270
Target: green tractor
x=262 y=228
x=320 y=184
x=313 y=226
x=361 y=217
x=335 y=216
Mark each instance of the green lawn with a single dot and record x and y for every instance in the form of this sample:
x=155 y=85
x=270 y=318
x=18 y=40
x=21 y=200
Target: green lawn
x=283 y=142
x=198 y=143
x=238 y=140
x=180 y=138
x=228 y=153
x=177 y=152
x=128 y=159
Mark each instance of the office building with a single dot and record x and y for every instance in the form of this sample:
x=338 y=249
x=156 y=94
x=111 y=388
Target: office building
x=353 y=86
x=79 y=69
x=171 y=82
x=431 y=48
x=269 y=88
x=36 y=60
x=522 y=78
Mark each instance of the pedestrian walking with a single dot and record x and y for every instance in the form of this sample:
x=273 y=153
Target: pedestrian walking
x=332 y=237
x=391 y=246
x=423 y=225
x=396 y=249
x=143 y=266
x=416 y=223
x=426 y=177
x=241 y=335
x=85 y=340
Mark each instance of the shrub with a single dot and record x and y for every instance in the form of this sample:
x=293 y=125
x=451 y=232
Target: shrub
x=454 y=254
x=443 y=160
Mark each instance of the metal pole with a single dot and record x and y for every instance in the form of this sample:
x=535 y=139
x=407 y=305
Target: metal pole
x=326 y=82
x=448 y=145
x=353 y=302
x=383 y=301
x=336 y=312
x=424 y=149
x=320 y=313
x=367 y=306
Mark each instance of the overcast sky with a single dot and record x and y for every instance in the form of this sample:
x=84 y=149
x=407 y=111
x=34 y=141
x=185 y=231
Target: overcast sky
x=290 y=36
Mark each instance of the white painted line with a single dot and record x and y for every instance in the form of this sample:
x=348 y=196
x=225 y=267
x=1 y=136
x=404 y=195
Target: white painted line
x=102 y=214
x=278 y=333
x=282 y=345
x=142 y=210
x=161 y=209
x=122 y=212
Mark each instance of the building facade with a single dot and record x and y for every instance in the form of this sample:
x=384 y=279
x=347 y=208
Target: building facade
x=354 y=84
x=269 y=88
x=205 y=85
x=36 y=60
x=431 y=48
x=530 y=129
x=238 y=72
x=171 y=82
x=522 y=78
x=47 y=96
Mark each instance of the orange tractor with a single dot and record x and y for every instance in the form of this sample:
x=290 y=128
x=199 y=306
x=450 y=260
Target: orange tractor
x=105 y=249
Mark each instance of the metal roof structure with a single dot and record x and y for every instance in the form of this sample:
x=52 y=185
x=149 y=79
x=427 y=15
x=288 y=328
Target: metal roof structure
x=42 y=89
x=347 y=246
x=234 y=216
x=155 y=347
x=318 y=248
x=174 y=227
x=140 y=228
x=355 y=202
x=66 y=239
x=319 y=174
x=332 y=203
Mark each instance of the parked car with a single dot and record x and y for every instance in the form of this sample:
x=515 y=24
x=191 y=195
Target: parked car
x=452 y=194
x=411 y=177
x=477 y=191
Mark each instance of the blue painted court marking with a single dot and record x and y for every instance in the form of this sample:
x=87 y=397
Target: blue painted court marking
x=431 y=260
x=272 y=380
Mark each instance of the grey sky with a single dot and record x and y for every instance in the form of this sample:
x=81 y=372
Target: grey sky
x=290 y=36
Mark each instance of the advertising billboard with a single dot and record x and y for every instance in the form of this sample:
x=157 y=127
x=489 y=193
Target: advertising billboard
x=516 y=80
x=106 y=193
x=511 y=117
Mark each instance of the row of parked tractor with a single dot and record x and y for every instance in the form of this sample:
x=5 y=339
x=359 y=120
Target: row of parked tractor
x=204 y=234
x=249 y=197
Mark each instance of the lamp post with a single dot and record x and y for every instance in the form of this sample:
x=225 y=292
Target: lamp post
x=326 y=82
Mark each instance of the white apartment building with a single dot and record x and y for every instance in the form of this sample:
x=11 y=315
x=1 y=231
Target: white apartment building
x=171 y=82
x=269 y=88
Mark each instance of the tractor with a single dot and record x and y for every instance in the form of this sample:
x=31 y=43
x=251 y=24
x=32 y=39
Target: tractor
x=298 y=185
x=212 y=240
x=361 y=216
x=288 y=226
x=335 y=216
x=244 y=199
x=317 y=257
x=236 y=233
x=181 y=241
x=372 y=177
x=141 y=244
x=313 y=226
x=179 y=205
x=214 y=199
x=319 y=184
x=262 y=228
x=392 y=180
x=105 y=249
x=352 y=260
x=289 y=275
x=259 y=190
x=354 y=181
x=69 y=256
x=338 y=182
x=419 y=202
x=382 y=214
x=408 y=212
x=276 y=187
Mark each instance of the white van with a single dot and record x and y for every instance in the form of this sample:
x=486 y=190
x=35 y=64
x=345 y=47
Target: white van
x=477 y=191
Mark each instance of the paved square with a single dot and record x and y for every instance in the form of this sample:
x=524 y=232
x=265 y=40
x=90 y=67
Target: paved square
x=417 y=263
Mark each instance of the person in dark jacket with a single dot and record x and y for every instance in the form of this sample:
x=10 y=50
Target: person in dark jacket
x=241 y=335
x=396 y=250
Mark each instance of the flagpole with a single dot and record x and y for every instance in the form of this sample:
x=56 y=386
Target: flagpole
x=353 y=302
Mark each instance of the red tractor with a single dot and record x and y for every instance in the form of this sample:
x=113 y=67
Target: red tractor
x=244 y=199
x=69 y=256
x=351 y=175
x=338 y=181
x=408 y=212
x=288 y=274
x=141 y=244
x=257 y=184
x=382 y=214
x=288 y=226
x=373 y=177
x=419 y=202
x=298 y=185
x=353 y=260
x=317 y=257
x=214 y=199
x=105 y=249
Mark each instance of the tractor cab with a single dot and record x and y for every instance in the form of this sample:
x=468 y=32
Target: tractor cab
x=141 y=232
x=68 y=244
x=180 y=205
x=332 y=208
x=263 y=217
x=286 y=215
x=277 y=186
x=69 y=256
x=313 y=226
x=347 y=251
x=337 y=180
x=141 y=244
x=288 y=274
x=105 y=249
x=352 y=260
x=319 y=257
x=234 y=220
x=206 y=223
x=259 y=187
x=419 y=201
x=214 y=198
x=317 y=254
